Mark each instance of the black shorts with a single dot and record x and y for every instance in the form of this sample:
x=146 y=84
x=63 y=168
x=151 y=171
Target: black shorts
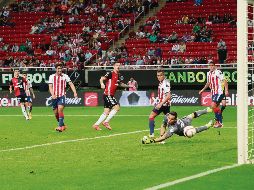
x=22 y=99
x=164 y=109
x=109 y=101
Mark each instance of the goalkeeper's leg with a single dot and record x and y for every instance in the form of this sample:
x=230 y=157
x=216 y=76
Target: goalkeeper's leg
x=199 y=113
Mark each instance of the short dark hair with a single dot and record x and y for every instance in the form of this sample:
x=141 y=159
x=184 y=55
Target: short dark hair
x=160 y=71
x=173 y=113
x=23 y=72
x=16 y=69
x=58 y=65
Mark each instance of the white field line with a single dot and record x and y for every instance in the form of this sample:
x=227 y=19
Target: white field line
x=74 y=115
x=171 y=183
x=72 y=140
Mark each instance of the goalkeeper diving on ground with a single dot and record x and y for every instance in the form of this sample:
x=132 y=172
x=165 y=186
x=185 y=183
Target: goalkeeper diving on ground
x=182 y=127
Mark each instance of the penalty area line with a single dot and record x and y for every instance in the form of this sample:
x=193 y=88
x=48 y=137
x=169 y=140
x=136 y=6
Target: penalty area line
x=171 y=183
x=34 y=115
x=72 y=140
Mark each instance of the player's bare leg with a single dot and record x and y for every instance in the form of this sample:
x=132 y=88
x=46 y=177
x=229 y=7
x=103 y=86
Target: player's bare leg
x=27 y=104
x=111 y=114
x=101 y=119
x=23 y=109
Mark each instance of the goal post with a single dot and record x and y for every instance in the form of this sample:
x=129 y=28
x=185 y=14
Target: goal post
x=244 y=144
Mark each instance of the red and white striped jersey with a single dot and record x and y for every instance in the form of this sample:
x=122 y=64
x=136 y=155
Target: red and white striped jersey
x=215 y=79
x=59 y=83
x=27 y=87
x=163 y=90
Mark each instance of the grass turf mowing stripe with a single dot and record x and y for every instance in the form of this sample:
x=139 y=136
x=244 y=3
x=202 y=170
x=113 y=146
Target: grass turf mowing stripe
x=72 y=140
x=171 y=183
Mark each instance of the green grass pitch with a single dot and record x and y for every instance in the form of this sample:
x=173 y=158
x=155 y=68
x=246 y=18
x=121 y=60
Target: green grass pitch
x=114 y=159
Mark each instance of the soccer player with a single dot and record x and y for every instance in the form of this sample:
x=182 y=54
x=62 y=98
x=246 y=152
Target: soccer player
x=17 y=82
x=133 y=84
x=179 y=126
x=57 y=85
x=219 y=89
x=28 y=90
x=163 y=105
x=113 y=79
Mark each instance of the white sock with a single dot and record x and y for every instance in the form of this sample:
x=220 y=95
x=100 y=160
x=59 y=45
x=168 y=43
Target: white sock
x=111 y=114
x=101 y=119
x=24 y=111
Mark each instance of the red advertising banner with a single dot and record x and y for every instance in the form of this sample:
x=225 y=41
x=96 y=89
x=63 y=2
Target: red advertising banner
x=91 y=99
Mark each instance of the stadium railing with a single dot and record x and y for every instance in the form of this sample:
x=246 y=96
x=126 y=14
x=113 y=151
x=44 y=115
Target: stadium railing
x=128 y=67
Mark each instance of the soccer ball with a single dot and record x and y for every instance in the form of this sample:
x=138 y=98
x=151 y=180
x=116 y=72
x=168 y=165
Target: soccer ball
x=145 y=138
x=189 y=131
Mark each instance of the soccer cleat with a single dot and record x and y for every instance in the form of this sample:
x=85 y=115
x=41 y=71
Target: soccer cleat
x=162 y=142
x=152 y=136
x=59 y=129
x=96 y=127
x=106 y=124
x=218 y=124
x=64 y=128
x=210 y=123
x=209 y=110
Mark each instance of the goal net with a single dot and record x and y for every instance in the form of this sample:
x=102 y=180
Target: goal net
x=245 y=85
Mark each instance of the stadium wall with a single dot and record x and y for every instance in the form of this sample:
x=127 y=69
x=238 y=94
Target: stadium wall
x=180 y=78
x=125 y=98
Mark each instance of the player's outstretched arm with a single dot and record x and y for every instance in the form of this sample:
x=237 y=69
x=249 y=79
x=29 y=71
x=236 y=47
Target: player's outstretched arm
x=163 y=129
x=73 y=89
x=125 y=85
x=32 y=91
x=226 y=87
x=205 y=87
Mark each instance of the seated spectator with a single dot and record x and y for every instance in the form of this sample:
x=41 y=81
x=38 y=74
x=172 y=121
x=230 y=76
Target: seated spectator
x=151 y=52
x=139 y=60
x=34 y=29
x=173 y=38
x=158 y=52
x=22 y=48
x=153 y=38
x=88 y=55
x=186 y=37
x=185 y=19
x=15 y=48
x=50 y=52
x=196 y=28
x=188 y=60
x=160 y=39
x=182 y=47
x=140 y=34
x=175 y=47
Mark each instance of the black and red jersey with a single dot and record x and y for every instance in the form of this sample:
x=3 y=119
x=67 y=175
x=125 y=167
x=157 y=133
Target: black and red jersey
x=112 y=81
x=18 y=85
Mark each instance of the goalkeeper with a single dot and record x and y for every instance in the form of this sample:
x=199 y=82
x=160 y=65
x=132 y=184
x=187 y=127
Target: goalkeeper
x=181 y=127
